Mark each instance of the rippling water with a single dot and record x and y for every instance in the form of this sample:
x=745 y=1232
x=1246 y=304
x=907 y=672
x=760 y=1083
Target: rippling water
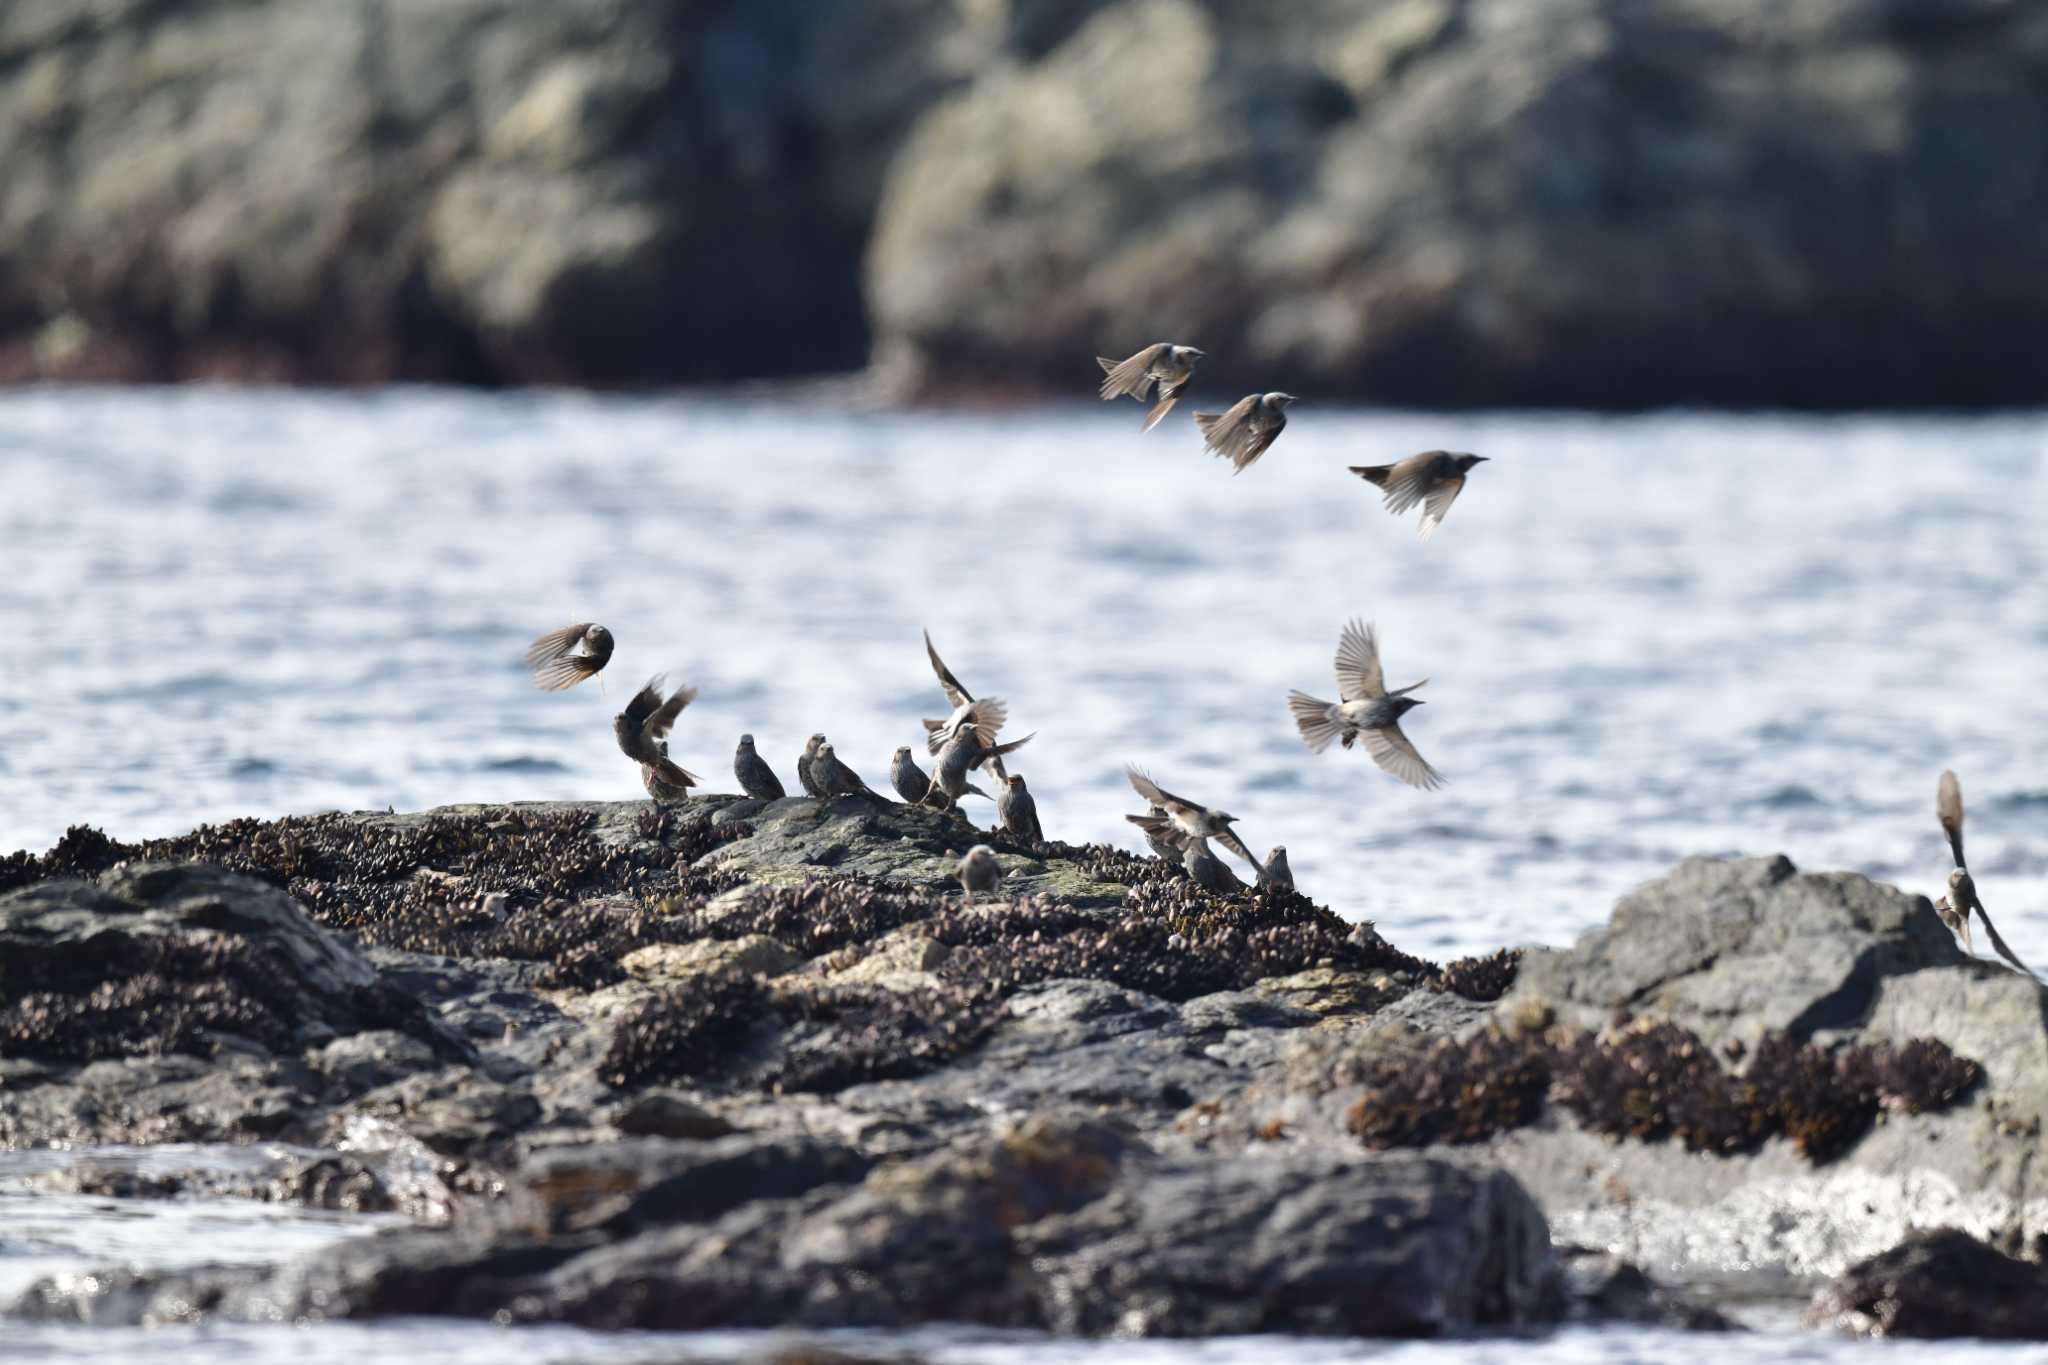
x=1646 y=637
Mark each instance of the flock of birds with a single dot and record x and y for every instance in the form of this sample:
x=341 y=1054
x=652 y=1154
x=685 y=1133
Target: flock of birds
x=1366 y=713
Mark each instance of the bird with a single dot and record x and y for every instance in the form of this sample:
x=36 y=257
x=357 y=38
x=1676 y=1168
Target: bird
x=803 y=766
x=655 y=777
x=1276 y=870
x=985 y=716
x=963 y=755
x=1242 y=434
x=555 y=663
x=1207 y=870
x=757 y=779
x=979 y=871
x=1157 y=826
x=1433 y=478
x=1365 y=709
x=1962 y=901
x=644 y=723
x=1018 y=812
x=913 y=784
x=835 y=777
x=1164 y=363
x=1200 y=821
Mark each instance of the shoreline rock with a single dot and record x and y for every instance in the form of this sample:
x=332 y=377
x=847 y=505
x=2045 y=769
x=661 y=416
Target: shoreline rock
x=1110 y=1104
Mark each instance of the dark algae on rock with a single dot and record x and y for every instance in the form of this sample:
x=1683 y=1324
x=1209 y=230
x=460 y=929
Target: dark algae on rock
x=757 y=1063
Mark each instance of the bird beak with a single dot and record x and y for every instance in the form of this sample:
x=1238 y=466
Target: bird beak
x=1481 y=459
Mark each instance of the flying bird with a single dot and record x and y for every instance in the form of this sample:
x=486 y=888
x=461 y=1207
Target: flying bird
x=1159 y=832
x=1201 y=822
x=1365 y=709
x=757 y=779
x=962 y=756
x=984 y=717
x=1433 y=478
x=1961 y=901
x=641 y=728
x=556 y=662
x=1242 y=434
x=1163 y=363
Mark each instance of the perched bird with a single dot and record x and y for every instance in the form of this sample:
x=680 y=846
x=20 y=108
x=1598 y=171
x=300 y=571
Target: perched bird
x=1199 y=821
x=1159 y=831
x=757 y=779
x=1433 y=478
x=1164 y=363
x=1207 y=870
x=803 y=766
x=985 y=717
x=979 y=871
x=655 y=777
x=1365 y=709
x=642 y=726
x=1242 y=434
x=1018 y=812
x=1961 y=901
x=962 y=755
x=554 y=659
x=834 y=777
x=912 y=783
x=1276 y=869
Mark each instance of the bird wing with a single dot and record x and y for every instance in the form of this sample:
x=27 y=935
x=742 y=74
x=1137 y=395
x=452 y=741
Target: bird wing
x=955 y=693
x=1130 y=376
x=643 y=704
x=1948 y=808
x=1359 y=676
x=1236 y=845
x=986 y=716
x=1408 y=481
x=1439 y=502
x=1255 y=443
x=1164 y=406
x=1998 y=940
x=554 y=667
x=1158 y=795
x=1227 y=433
x=665 y=715
x=1391 y=749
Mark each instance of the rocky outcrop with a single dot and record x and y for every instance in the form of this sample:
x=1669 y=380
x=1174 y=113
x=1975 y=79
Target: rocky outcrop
x=1942 y=1283
x=732 y=1063
x=1604 y=202
x=1597 y=202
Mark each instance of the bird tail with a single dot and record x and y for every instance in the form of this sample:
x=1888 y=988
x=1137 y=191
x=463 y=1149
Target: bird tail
x=1312 y=718
x=1164 y=406
x=1375 y=474
x=673 y=773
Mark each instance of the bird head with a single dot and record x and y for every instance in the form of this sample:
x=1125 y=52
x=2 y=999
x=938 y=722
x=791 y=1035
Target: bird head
x=1189 y=353
x=1017 y=781
x=1279 y=851
x=1280 y=400
x=746 y=741
x=1957 y=880
x=814 y=743
x=1465 y=462
x=598 y=638
x=1222 y=817
x=1403 y=705
x=902 y=752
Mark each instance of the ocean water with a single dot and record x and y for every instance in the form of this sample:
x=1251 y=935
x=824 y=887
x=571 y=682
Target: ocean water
x=1646 y=637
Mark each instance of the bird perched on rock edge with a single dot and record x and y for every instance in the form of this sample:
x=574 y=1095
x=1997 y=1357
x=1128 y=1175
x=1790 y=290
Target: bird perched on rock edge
x=1018 y=812
x=756 y=778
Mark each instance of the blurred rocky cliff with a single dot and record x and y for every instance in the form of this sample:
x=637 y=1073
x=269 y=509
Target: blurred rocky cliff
x=1605 y=202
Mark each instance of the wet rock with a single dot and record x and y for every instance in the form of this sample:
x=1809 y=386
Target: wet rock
x=665 y=1113
x=1940 y=1283
x=651 y=1182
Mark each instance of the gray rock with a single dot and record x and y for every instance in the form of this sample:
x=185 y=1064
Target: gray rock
x=1462 y=201
x=1938 y=1284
